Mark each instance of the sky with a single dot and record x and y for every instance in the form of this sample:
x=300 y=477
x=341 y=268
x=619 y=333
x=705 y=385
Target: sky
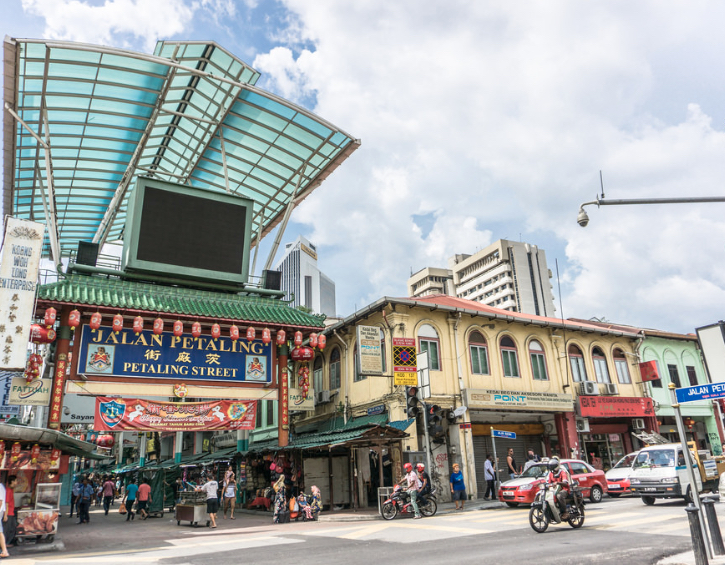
x=482 y=121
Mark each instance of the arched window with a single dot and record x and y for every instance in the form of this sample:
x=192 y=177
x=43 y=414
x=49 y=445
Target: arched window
x=479 y=353
x=620 y=365
x=538 y=361
x=509 y=358
x=335 y=369
x=428 y=341
x=600 y=366
x=576 y=359
x=317 y=374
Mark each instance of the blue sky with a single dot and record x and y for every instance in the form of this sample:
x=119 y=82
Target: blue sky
x=481 y=121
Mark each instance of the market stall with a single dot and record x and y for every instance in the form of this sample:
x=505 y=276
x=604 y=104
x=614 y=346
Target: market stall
x=192 y=508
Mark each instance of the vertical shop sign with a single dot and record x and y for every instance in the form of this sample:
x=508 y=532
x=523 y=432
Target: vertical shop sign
x=56 y=398
x=284 y=396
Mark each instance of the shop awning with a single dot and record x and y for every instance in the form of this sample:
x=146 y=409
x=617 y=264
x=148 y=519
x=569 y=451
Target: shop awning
x=43 y=436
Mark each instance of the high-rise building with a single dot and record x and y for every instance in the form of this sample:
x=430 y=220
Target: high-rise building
x=510 y=275
x=303 y=282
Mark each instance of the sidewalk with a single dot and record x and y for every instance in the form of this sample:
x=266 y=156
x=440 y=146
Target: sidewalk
x=688 y=558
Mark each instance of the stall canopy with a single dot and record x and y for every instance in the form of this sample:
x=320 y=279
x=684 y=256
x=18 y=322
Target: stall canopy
x=43 y=436
x=82 y=122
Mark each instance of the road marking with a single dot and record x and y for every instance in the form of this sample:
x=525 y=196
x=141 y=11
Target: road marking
x=366 y=531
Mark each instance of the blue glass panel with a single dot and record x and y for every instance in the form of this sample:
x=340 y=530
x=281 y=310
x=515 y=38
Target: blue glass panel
x=69 y=87
x=71 y=71
x=316 y=127
x=302 y=136
x=267 y=103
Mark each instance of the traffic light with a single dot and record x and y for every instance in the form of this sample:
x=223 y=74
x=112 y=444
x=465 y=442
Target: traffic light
x=411 y=401
x=434 y=417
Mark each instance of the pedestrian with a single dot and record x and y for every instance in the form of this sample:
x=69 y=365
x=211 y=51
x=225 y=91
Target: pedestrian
x=98 y=485
x=458 y=487
x=413 y=484
x=211 y=488
x=511 y=463
x=280 y=500
x=316 y=501
x=10 y=521
x=86 y=495
x=108 y=491
x=230 y=497
x=489 y=473
x=2 y=515
x=531 y=458
x=130 y=498
x=75 y=496
x=144 y=499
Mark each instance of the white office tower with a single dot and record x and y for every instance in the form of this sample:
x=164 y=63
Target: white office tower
x=507 y=274
x=303 y=282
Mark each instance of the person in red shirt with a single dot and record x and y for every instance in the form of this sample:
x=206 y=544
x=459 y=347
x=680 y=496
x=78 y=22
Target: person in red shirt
x=109 y=489
x=9 y=520
x=559 y=474
x=144 y=498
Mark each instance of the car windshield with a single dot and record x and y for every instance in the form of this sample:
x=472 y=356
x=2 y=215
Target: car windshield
x=655 y=458
x=535 y=471
x=625 y=461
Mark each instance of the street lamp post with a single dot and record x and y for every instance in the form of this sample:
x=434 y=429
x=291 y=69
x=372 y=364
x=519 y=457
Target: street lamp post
x=583 y=218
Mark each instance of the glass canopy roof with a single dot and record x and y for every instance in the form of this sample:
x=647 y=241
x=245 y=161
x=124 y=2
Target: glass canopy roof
x=94 y=118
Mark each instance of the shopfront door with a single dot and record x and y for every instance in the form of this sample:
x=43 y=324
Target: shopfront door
x=602 y=451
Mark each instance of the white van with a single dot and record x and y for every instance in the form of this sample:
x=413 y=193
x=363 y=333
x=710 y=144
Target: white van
x=659 y=471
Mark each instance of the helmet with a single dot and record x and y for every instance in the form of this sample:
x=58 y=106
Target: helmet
x=554 y=464
x=420 y=467
x=408 y=467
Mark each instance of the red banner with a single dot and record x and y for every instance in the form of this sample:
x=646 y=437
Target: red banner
x=119 y=414
x=648 y=370
x=615 y=407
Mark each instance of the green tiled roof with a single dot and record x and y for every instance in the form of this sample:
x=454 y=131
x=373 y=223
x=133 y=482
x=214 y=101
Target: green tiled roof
x=129 y=295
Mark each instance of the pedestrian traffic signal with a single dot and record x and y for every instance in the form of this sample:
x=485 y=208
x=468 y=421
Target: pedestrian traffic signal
x=434 y=417
x=411 y=401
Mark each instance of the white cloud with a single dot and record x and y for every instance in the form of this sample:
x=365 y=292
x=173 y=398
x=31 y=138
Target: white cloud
x=497 y=117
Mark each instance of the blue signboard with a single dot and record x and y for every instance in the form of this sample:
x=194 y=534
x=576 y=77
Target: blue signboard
x=500 y=433
x=700 y=392
x=6 y=378
x=166 y=356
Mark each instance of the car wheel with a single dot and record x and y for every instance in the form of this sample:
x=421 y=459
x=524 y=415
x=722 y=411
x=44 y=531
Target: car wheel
x=648 y=500
x=512 y=504
x=597 y=494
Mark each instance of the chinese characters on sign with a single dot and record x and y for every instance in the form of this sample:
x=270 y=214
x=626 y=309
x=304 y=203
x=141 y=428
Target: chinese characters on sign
x=648 y=371
x=615 y=407
x=405 y=363
x=56 y=399
x=284 y=395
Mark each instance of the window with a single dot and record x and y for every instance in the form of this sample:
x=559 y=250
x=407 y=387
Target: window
x=576 y=359
x=259 y=415
x=335 y=369
x=578 y=468
x=428 y=341
x=270 y=412
x=508 y=356
x=691 y=375
x=479 y=354
x=620 y=365
x=538 y=362
x=657 y=383
x=317 y=375
x=674 y=375
x=600 y=366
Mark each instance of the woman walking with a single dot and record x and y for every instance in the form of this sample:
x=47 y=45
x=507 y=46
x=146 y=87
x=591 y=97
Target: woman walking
x=230 y=497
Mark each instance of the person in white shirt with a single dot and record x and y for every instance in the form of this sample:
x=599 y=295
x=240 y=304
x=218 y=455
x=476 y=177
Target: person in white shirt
x=490 y=476
x=230 y=496
x=2 y=514
x=211 y=487
x=413 y=484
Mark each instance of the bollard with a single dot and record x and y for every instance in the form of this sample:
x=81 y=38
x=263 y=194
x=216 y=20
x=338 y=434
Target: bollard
x=712 y=524
x=698 y=543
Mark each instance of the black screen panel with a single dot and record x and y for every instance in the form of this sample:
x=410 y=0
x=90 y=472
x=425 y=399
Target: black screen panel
x=188 y=231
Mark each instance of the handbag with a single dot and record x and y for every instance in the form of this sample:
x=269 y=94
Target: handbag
x=122 y=509
x=284 y=517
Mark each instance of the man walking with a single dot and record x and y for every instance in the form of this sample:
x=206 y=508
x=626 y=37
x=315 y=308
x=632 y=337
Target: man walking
x=130 y=498
x=86 y=495
x=9 y=520
x=211 y=488
x=108 y=492
x=490 y=475
x=144 y=499
x=75 y=496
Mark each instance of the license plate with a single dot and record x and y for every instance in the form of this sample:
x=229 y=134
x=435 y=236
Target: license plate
x=509 y=494
x=614 y=486
x=649 y=489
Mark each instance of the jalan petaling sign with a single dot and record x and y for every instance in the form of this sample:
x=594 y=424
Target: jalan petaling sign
x=487 y=398
x=166 y=356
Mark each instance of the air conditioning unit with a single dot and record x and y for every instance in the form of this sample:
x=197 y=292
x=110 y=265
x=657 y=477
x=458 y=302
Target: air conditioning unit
x=322 y=397
x=582 y=425
x=637 y=423
x=610 y=389
x=588 y=388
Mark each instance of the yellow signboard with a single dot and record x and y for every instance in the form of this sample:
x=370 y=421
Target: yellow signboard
x=405 y=379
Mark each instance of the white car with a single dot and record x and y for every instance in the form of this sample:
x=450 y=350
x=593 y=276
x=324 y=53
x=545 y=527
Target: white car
x=618 y=476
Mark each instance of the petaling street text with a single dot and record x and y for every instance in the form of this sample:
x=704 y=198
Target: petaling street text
x=202 y=343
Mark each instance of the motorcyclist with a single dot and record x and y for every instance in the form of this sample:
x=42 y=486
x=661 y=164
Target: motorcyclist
x=425 y=480
x=412 y=485
x=559 y=475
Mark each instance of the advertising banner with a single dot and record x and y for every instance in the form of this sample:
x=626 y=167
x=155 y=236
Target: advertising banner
x=19 y=263
x=119 y=414
x=33 y=393
x=405 y=362
x=6 y=379
x=166 y=356
x=297 y=401
x=615 y=407
x=78 y=409
x=370 y=351
x=548 y=401
x=648 y=371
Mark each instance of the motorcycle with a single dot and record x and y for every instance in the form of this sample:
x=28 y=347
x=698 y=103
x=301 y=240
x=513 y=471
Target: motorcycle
x=545 y=510
x=399 y=503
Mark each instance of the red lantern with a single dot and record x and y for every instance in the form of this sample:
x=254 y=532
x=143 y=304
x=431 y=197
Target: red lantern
x=196 y=329
x=138 y=324
x=54 y=457
x=266 y=336
x=298 y=338
x=95 y=321
x=105 y=440
x=321 y=341
x=302 y=353
x=117 y=323
x=50 y=316
x=313 y=340
x=2 y=450
x=34 y=453
x=234 y=333
x=158 y=326
x=281 y=337
x=35 y=359
x=251 y=333
x=39 y=334
x=178 y=328
x=216 y=331
x=15 y=451
x=74 y=320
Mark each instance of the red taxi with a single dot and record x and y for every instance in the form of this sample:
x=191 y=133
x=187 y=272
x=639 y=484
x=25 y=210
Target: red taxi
x=522 y=490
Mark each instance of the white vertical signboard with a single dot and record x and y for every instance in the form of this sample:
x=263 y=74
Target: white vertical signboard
x=19 y=264
x=369 y=351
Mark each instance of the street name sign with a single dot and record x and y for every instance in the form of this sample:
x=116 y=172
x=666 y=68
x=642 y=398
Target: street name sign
x=700 y=392
x=503 y=434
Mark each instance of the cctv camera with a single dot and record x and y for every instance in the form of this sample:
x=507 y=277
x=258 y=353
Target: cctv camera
x=582 y=219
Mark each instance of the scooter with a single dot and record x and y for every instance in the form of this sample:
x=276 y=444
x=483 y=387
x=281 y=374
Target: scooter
x=399 y=503
x=545 y=510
